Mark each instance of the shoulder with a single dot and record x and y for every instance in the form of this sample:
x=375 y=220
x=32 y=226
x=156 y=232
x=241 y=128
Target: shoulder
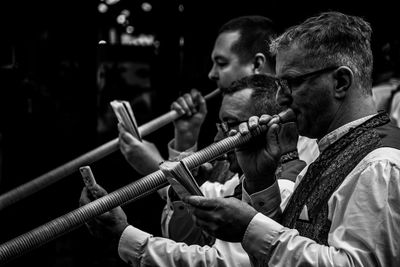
x=383 y=154
x=381 y=165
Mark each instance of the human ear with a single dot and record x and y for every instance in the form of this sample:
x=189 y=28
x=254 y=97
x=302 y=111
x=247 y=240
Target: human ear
x=259 y=63
x=344 y=79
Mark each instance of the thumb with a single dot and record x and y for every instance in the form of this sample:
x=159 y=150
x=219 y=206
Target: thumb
x=97 y=191
x=121 y=128
x=202 y=104
x=129 y=139
x=198 y=201
x=273 y=141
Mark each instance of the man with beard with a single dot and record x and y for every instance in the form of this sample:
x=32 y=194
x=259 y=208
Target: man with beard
x=344 y=209
x=139 y=248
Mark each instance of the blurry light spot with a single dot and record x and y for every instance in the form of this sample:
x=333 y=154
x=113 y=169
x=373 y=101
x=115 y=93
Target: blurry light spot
x=130 y=29
x=111 y=2
x=146 y=7
x=141 y=40
x=126 y=12
x=101 y=42
x=181 y=41
x=181 y=8
x=121 y=19
x=102 y=8
x=112 y=35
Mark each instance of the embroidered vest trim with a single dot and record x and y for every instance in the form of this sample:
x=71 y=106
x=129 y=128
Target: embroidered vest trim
x=325 y=175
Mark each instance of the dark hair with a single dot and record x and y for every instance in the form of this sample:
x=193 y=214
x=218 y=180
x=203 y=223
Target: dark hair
x=333 y=38
x=256 y=34
x=263 y=98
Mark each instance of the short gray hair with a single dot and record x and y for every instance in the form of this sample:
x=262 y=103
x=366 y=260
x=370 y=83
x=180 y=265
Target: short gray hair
x=333 y=38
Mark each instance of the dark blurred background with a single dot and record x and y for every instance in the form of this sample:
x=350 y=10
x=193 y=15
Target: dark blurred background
x=61 y=63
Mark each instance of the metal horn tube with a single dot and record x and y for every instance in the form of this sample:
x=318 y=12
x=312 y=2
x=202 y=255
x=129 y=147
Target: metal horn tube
x=96 y=154
x=133 y=191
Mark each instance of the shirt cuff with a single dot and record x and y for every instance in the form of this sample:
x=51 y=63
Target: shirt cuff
x=131 y=244
x=263 y=201
x=173 y=153
x=260 y=235
x=163 y=192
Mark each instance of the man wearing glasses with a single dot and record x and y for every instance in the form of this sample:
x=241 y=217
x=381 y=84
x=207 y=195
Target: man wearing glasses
x=239 y=51
x=344 y=210
x=251 y=95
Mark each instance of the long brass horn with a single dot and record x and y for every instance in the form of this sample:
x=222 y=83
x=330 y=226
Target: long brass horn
x=133 y=191
x=68 y=168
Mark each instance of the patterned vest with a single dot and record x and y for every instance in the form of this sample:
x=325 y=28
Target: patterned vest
x=329 y=170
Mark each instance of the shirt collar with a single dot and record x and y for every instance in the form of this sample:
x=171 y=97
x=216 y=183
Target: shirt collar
x=333 y=136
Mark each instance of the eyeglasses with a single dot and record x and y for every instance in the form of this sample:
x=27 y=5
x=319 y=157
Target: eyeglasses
x=290 y=82
x=226 y=127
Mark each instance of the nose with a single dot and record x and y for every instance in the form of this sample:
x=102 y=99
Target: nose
x=283 y=98
x=213 y=74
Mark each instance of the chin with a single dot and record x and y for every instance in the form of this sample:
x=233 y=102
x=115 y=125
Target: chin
x=302 y=127
x=309 y=134
x=233 y=163
x=234 y=167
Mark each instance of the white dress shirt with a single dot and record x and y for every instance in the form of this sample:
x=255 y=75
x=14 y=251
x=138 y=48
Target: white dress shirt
x=364 y=212
x=139 y=248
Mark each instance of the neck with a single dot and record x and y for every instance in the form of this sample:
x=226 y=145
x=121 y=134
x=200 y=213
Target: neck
x=352 y=110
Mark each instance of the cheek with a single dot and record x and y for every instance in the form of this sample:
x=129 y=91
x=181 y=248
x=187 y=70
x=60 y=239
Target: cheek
x=313 y=101
x=233 y=73
x=315 y=109
x=226 y=78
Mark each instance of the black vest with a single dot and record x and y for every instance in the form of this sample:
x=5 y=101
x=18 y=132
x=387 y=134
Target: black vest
x=330 y=169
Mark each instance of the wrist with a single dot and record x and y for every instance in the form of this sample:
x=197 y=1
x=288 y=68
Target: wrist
x=256 y=185
x=185 y=140
x=289 y=156
x=144 y=167
x=120 y=228
x=117 y=233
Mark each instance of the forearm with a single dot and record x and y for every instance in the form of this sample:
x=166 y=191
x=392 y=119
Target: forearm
x=139 y=248
x=271 y=248
x=174 y=153
x=266 y=201
x=145 y=169
x=185 y=139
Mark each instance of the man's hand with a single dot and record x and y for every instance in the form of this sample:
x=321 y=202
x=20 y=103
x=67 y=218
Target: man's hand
x=259 y=158
x=288 y=137
x=224 y=218
x=193 y=110
x=144 y=157
x=109 y=225
x=201 y=173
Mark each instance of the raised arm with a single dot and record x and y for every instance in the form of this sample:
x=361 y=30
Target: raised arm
x=187 y=127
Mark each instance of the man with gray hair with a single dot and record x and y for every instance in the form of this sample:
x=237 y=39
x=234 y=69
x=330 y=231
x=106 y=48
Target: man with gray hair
x=344 y=210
